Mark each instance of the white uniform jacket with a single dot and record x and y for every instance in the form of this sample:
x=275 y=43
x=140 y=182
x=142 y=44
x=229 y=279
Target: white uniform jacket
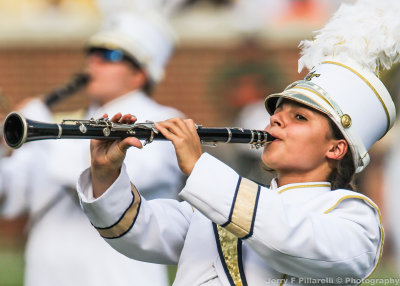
x=296 y=234
x=62 y=247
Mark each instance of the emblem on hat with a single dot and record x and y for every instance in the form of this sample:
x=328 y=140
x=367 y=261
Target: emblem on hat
x=311 y=75
x=345 y=119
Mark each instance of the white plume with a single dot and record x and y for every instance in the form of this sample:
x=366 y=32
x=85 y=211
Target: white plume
x=367 y=32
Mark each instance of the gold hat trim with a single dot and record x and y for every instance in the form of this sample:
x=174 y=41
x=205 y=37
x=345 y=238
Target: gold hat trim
x=316 y=93
x=370 y=85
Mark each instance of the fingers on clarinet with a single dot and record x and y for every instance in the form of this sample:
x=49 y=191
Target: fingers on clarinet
x=133 y=119
x=189 y=121
x=182 y=124
x=176 y=126
x=170 y=128
x=116 y=117
x=127 y=118
x=163 y=128
x=130 y=142
x=191 y=127
x=190 y=124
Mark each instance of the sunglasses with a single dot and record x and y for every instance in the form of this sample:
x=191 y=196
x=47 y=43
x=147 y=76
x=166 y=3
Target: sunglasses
x=113 y=56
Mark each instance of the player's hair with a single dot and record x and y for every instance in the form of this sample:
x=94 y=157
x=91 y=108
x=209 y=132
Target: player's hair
x=343 y=172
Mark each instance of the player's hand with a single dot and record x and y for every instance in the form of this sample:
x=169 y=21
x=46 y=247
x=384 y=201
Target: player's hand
x=107 y=156
x=183 y=134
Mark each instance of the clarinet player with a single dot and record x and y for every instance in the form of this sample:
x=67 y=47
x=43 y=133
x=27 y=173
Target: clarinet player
x=310 y=226
x=125 y=61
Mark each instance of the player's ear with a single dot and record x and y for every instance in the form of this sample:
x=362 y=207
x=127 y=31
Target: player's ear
x=337 y=150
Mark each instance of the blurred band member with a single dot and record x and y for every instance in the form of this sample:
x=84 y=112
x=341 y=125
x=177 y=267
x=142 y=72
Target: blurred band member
x=125 y=61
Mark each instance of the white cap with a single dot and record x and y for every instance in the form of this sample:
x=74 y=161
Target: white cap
x=146 y=37
x=352 y=96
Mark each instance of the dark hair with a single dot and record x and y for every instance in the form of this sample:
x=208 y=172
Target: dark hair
x=148 y=86
x=343 y=172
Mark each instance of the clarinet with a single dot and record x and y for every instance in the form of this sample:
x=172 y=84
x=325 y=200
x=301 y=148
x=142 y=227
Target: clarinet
x=18 y=130
x=77 y=82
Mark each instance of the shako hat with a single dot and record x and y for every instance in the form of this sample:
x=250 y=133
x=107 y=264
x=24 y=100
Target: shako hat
x=343 y=60
x=146 y=37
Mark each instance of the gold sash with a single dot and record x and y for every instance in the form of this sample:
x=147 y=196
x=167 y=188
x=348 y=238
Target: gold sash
x=230 y=252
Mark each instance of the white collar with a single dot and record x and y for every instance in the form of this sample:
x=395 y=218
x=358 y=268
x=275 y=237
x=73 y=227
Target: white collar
x=300 y=187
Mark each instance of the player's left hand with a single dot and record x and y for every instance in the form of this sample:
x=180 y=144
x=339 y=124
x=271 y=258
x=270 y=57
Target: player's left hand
x=183 y=134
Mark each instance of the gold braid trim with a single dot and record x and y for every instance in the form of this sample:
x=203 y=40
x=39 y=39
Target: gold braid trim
x=243 y=209
x=126 y=221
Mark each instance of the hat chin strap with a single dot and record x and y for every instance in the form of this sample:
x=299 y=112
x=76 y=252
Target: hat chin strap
x=365 y=162
x=362 y=162
x=360 y=153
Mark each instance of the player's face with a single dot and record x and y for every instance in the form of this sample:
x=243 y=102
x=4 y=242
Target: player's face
x=303 y=138
x=108 y=79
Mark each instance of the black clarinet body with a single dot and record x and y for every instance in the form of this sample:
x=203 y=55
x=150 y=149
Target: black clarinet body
x=18 y=130
x=77 y=82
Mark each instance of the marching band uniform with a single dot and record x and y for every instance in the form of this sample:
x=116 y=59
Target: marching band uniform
x=291 y=233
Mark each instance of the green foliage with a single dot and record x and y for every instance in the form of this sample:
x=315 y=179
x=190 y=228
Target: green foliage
x=11 y=267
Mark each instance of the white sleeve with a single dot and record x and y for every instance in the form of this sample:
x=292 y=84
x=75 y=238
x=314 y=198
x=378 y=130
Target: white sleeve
x=152 y=231
x=345 y=242
x=14 y=187
x=19 y=171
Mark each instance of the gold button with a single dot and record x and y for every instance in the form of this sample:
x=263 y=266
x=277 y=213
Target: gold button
x=345 y=120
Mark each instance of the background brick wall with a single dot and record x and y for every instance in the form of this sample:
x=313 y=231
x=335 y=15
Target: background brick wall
x=30 y=72
x=35 y=71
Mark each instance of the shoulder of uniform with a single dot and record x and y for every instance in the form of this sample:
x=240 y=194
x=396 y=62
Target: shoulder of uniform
x=336 y=197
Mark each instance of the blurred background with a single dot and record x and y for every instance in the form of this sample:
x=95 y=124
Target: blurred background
x=229 y=56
